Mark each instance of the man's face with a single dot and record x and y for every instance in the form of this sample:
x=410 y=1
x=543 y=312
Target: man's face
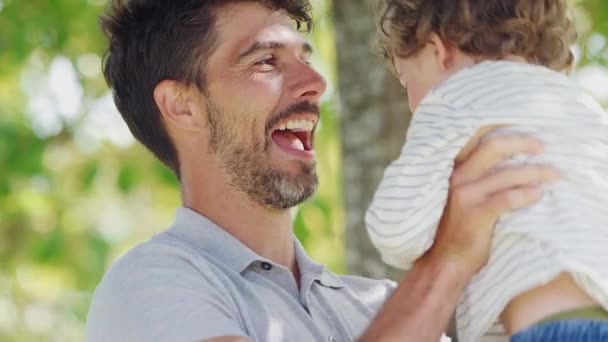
x=263 y=105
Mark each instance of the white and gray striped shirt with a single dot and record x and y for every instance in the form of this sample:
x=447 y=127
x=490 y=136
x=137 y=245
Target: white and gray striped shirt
x=566 y=231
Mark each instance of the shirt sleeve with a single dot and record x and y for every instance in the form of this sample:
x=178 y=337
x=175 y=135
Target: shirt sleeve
x=408 y=204
x=150 y=295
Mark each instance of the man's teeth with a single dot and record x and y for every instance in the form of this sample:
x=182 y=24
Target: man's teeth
x=298 y=125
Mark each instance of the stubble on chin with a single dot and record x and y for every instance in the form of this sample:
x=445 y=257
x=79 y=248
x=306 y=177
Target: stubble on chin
x=288 y=191
x=248 y=166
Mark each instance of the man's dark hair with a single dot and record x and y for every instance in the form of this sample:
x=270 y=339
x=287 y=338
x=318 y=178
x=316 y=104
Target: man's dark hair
x=154 y=40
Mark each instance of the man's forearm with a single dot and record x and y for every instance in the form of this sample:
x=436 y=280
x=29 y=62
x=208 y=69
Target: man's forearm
x=420 y=308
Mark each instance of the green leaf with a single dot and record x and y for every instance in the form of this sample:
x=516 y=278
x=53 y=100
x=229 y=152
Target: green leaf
x=50 y=248
x=127 y=178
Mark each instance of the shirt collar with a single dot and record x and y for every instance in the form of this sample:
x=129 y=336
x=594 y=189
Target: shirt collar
x=204 y=234
x=208 y=236
x=313 y=270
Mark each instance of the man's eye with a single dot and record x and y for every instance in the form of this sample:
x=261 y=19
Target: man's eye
x=267 y=63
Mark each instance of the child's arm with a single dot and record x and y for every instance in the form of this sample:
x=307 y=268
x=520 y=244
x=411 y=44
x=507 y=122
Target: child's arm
x=408 y=204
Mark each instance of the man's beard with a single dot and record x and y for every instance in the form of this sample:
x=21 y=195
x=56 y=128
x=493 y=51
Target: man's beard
x=248 y=165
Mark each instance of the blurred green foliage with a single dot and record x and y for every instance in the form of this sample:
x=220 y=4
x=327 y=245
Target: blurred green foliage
x=76 y=192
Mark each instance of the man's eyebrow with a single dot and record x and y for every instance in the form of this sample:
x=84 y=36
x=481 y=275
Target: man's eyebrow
x=270 y=45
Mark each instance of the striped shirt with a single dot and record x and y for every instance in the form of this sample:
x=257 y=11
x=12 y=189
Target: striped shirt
x=566 y=231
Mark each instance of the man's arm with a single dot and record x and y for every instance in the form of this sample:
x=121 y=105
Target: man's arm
x=420 y=308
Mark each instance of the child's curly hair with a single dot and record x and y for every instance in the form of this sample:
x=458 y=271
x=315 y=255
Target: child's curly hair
x=538 y=30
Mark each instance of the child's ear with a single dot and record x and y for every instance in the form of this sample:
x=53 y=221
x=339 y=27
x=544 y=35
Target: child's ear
x=443 y=53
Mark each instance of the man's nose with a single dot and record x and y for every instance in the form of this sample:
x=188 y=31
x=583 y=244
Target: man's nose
x=309 y=84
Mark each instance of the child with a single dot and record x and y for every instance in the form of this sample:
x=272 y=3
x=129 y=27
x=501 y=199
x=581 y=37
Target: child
x=470 y=66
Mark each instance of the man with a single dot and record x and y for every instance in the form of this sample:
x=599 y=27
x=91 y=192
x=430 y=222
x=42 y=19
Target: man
x=223 y=93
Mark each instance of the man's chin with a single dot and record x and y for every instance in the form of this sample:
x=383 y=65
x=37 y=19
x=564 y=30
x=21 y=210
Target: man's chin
x=285 y=192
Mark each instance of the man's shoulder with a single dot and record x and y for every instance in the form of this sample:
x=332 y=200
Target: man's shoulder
x=373 y=292
x=159 y=276
x=160 y=291
x=162 y=256
x=156 y=268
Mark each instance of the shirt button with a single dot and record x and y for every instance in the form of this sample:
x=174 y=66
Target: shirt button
x=331 y=339
x=266 y=266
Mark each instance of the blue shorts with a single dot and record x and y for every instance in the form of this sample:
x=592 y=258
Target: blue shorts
x=576 y=330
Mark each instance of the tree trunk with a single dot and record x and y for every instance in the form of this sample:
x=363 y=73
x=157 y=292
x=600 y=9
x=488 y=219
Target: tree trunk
x=374 y=119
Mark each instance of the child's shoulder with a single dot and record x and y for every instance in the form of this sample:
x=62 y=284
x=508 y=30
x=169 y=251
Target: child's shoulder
x=497 y=83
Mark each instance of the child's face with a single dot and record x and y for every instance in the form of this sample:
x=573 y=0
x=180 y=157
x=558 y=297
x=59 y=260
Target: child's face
x=419 y=74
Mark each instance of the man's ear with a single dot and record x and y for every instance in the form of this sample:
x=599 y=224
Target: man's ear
x=444 y=56
x=175 y=105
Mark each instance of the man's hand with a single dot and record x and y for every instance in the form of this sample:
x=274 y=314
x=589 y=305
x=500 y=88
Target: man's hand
x=478 y=197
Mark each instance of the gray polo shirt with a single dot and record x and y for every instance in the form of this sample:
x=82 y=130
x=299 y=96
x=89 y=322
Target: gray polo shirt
x=195 y=281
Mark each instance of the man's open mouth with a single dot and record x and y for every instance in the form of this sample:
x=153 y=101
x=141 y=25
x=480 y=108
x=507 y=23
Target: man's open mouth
x=294 y=134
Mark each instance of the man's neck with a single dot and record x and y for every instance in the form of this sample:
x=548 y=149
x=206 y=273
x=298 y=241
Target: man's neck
x=267 y=232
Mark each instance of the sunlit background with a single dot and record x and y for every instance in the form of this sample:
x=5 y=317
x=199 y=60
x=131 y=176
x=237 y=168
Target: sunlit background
x=76 y=191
